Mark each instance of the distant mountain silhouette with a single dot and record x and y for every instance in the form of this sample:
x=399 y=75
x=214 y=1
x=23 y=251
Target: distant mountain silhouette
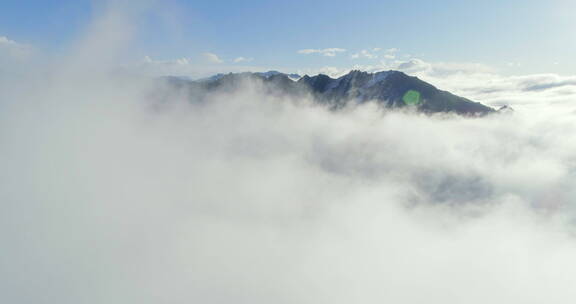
x=390 y=89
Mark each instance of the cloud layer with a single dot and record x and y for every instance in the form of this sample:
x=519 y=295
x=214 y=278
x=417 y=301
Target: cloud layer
x=329 y=52
x=119 y=189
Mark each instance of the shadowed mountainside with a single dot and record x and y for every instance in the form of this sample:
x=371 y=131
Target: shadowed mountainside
x=390 y=89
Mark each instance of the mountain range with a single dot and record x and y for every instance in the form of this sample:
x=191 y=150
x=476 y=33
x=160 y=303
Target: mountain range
x=390 y=89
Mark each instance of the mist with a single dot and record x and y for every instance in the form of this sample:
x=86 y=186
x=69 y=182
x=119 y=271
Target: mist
x=118 y=189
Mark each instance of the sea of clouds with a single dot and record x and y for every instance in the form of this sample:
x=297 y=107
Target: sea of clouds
x=117 y=189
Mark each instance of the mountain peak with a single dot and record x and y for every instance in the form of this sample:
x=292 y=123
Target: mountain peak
x=391 y=89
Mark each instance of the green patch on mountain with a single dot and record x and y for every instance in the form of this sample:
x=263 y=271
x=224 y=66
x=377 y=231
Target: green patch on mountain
x=412 y=98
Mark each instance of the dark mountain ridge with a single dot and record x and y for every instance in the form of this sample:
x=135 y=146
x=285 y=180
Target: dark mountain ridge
x=390 y=89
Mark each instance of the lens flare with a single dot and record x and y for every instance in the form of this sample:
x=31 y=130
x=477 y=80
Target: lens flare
x=412 y=98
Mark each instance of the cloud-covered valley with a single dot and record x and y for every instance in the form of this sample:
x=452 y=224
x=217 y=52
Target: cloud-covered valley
x=118 y=189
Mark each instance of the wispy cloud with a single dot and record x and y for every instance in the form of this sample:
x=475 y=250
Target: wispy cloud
x=193 y=67
x=5 y=41
x=330 y=52
x=375 y=53
x=177 y=61
x=369 y=54
x=12 y=51
x=213 y=58
x=242 y=59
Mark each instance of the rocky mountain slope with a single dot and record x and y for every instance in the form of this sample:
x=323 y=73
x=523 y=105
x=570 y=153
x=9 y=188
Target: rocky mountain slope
x=390 y=89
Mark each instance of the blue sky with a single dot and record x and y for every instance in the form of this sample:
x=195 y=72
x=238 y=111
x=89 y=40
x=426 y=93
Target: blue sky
x=515 y=36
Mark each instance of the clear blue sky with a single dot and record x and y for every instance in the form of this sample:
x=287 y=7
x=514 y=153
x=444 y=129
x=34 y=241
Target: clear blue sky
x=539 y=34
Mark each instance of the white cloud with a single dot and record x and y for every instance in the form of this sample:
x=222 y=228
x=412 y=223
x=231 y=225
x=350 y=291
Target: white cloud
x=483 y=83
x=190 y=67
x=252 y=198
x=330 y=52
x=172 y=62
x=129 y=191
x=5 y=41
x=364 y=54
x=182 y=61
x=213 y=58
x=514 y=64
x=242 y=59
x=375 y=53
x=12 y=52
